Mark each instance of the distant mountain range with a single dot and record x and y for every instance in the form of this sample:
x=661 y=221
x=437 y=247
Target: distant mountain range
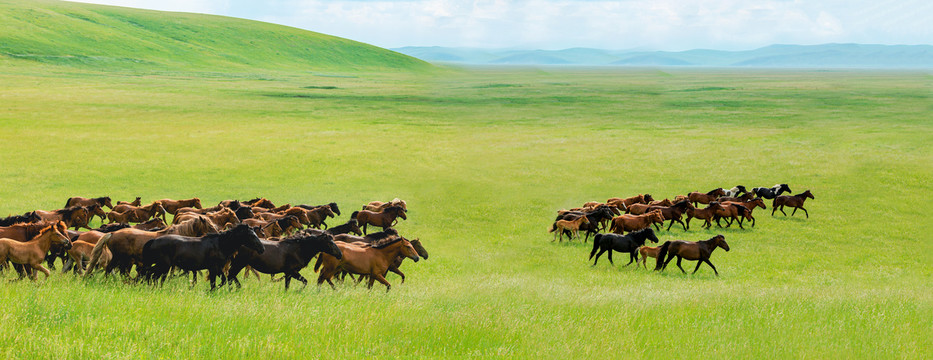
x=792 y=56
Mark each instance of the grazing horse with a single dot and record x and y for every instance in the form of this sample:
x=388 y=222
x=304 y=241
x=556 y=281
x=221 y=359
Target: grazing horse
x=795 y=202
x=29 y=217
x=621 y=243
x=573 y=225
x=645 y=252
x=700 y=198
x=211 y=252
x=373 y=261
x=623 y=223
x=674 y=212
x=75 y=216
x=622 y=204
x=385 y=219
x=772 y=192
x=171 y=206
x=352 y=226
x=707 y=214
x=735 y=191
x=127 y=244
x=377 y=206
x=82 y=201
x=136 y=202
x=32 y=252
x=317 y=216
x=700 y=251
x=288 y=256
x=750 y=205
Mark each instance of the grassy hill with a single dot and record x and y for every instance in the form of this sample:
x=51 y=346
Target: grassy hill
x=109 y=38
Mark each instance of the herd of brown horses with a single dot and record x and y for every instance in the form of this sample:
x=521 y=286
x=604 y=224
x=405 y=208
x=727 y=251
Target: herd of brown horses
x=132 y=235
x=637 y=213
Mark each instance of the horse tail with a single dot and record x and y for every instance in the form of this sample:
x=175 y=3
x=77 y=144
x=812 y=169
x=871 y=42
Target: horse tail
x=662 y=253
x=68 y=202
x=96 y=252
x=354 y=214
x=317 y=264
x=595 y=245
x=553 y=227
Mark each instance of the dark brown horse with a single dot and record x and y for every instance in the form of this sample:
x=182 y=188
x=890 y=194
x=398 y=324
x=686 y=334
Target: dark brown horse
x=795 y=202
x=699 y=251
x=82 y=201
x=171 y=206
x=700 y=198
x=707 y=214
x=622 y=204
x=136 y=202
x=75 y=216
x=317 y=216
x=288 y=256
x=384 y=219
x=674 y=212
x=750 y=205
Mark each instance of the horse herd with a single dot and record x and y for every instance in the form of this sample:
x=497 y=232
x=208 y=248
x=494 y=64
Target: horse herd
x=224 y=240
x=642 y=211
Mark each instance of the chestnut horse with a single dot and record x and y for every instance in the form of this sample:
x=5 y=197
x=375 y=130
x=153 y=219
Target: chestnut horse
x=378 y=206
x=795 y=202
x=700 y=198
x=735 y=212
x=137 y=214
x=385 y=219
x=136 y=202
x=82 y=201
x=637 y=199
x=75 y=216
x=317 y=216
x=219 y=218
x=373 y=261
x=700 y=251
x=750 y=205
x=623 y=223
x=31 y=253
x=673 y=212
x=171 y=206
x=260 y=202
x=707 y=214
x=645 y=252
x=80 y=253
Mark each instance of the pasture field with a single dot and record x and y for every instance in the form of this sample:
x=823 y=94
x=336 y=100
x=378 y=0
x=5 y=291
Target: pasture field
x=484 y=157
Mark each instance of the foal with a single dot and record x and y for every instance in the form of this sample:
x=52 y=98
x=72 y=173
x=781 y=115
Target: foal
x=573 y=225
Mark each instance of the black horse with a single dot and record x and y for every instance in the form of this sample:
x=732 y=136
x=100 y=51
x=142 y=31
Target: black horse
x=333 y=207
x=594 y=218
x=287 y=256
x=771 y=192
x=622 y=243
x=352 y=226
x=29 y=217
x=210 y=252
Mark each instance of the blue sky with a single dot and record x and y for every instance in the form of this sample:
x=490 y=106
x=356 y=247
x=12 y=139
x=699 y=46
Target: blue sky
x=557 y=24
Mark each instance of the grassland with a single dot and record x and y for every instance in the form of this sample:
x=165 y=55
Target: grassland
x=484 y=157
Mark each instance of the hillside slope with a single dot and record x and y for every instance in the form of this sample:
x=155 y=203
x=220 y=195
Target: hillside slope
x=107 y=37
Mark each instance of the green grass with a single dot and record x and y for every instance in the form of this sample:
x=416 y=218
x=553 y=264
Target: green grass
x=132 y=40
x=484 y=157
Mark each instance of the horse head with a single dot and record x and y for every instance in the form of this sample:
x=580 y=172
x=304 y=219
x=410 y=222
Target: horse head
x=329 y=247
x=715 y=206
x=245 y=235
x=416 y=243
x=721 y=242
x=333 y=207
x=355 y=226
x=106 y=202
x=647 y=198
x=409 y=251
x=808 y=194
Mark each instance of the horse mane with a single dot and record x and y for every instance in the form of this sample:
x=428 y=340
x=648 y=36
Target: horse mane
x=712 y=192
x=106 y=228
x=253 y=201
x=32 y=229
x=101 y=200
x=188 y=226
x=66 y=212
x=639 y=232
x=386 y=242
x=382 y=234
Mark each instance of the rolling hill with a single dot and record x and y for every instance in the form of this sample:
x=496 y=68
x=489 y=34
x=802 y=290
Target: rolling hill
x=109 y=38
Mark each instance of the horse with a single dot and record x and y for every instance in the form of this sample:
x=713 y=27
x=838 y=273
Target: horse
x=352 y=226
x=333 y=207
x=29 y=217
x=220 y=218
x=378 y=206
x=32 y=252
x=295 y=211
x=288 y=256
x=96 y=210
x=573 y=225
x=75 y=216
x=594 y=219
x=317 y=216
x=211 y=252
x=621 y=243
x=127 y=244
x=645 y=252
x=367 y=239
x=772 y=192
x=665 y=202
x=795 y=202
x=372 y=261
x=387 y=218
x=172 y=206
x=623 y=223
x=136 y=202
x=673 y=212
x=127 y=213
x=83 y=201
x=269 y=230
x=622 y=204
x=260 y=202
x=743 y=198
x=699 y=250
x=735 y=191
x=700 y=198
x=79 y=253
x=394 y=266
x=750 y=205
x=707 y=214
x=735 y=212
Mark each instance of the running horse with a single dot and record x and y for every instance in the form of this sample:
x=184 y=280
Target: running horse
x=690 y=250
x=385 y=219
x=82 y=201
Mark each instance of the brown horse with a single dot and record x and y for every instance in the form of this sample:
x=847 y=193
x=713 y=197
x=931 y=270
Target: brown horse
x=745 y=197
x=140 y=213
x=31 y=253
x=573 y=225
x=75 y=216
x=96 y=210
x=700 y=198
x=270 y=230
x=674 y=212
x=645 y=252
x=623 y=223
x=378 y=206
x=126 y=245
x=171 y=206
x=750 y=205
x=80 y=253
x=795 y=202
x=733 y=212
x=665 y=202
x=318 y=215
x=83 y=201
x=136 y=202
x=393 y=267
x=220 y=219
x=295 y=211
x=260 y=202
x=625 y=203
x=373 y=261
x=707 y=214
x=700 y=251
x=385 y=219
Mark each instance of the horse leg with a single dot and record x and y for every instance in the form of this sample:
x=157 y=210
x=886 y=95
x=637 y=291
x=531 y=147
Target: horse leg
x=710 y=265
x=739 y=220
x=699 y=262
x=399 y=272
x=669 y=258
x=601 y=251
x=288 y=280
x=793 y=212
x=687 y=226
x=773 y=208
x=297 y=276
x=610 y=258
x=805 y=212
x=381 y=279
x=782 y=210
x=41 y=268
x=365 y=224
x=632 y=258
x=679 y=258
